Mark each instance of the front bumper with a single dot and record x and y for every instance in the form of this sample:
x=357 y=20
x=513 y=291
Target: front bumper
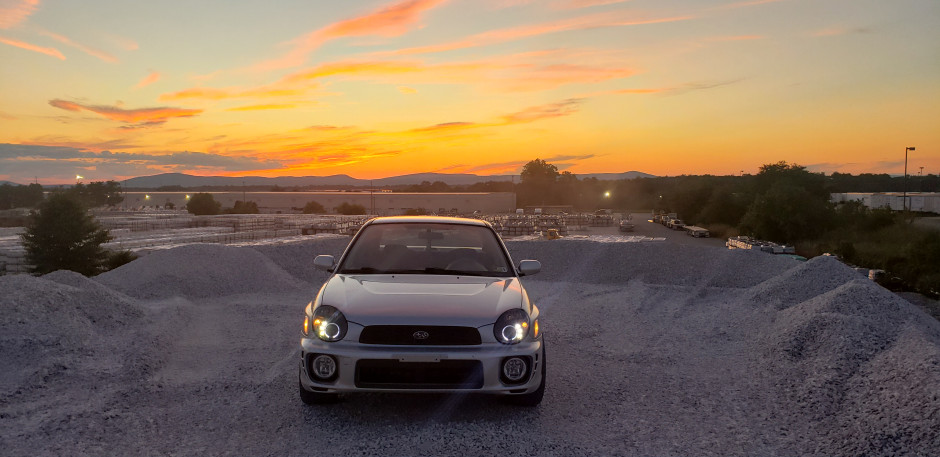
x=488 y=357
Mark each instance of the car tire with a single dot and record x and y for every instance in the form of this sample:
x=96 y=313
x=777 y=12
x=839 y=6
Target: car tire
x=534 y=398
x=316 y=398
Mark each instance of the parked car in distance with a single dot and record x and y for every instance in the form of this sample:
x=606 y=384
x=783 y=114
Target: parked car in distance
x=675 y=224
x=626 y=226
x=423 y=304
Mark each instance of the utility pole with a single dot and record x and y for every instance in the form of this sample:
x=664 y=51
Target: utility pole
x=910 y=148
x=372 y=196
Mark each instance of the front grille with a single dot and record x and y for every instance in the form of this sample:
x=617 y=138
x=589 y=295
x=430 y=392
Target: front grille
x=429 y=335
x=393 y=374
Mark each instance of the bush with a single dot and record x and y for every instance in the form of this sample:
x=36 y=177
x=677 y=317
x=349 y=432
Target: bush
x=118 y=258
x=243 y=208
x=314 y=208
x=203 y=204
x=62 y=235
x=350 y=209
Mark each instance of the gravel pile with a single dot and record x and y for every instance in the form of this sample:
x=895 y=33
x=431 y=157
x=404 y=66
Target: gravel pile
x=649 y=262
x=199 y=271
x=654 y=349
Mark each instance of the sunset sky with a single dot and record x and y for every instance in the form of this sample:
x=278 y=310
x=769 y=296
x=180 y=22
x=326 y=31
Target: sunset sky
x=111 y=89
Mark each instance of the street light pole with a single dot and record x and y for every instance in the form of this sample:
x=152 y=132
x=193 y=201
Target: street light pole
x=911 y=148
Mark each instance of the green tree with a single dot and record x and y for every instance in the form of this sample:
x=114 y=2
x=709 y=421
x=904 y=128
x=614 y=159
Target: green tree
x=787 y=213
x=350 y=209
x=20 y=196
x=203 y=204
x=97 y=193
x=538 y=182
x=62 y=235
x=313 y=207
x=243 y=208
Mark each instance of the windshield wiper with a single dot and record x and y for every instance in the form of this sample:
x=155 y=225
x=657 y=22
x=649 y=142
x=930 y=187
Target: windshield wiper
x=445 y=271
x=363 y=270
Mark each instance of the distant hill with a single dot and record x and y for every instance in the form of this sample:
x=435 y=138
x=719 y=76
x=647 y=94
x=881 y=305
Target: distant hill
x=190 y=181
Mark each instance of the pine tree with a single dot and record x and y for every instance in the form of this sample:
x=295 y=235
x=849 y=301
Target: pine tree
x=62 y=235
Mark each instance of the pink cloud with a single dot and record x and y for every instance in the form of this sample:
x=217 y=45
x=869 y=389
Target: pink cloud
x=390 y=21
x=616 y=19
x=153 y=77
x=14 y=12
x=32 y=47
x=90 y=51
x=148 y=116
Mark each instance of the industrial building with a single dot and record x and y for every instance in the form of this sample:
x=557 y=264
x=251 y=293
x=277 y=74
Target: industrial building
x=915 y=201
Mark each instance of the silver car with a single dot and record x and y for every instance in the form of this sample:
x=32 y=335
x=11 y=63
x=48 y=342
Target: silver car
x=423 y=304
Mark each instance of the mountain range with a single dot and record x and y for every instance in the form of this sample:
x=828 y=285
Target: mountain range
x=190 y=181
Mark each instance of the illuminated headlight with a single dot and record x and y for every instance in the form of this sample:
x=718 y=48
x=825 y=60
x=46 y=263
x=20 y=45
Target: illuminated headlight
x=327 y=323
x=512 y=326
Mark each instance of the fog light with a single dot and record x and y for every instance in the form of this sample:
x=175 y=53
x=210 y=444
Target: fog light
x=514 y=369
x=324 y=367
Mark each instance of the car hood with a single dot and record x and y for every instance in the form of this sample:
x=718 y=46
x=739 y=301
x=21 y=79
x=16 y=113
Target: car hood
x=422 y=299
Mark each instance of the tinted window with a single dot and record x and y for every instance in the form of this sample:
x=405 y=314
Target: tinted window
x=427 y=248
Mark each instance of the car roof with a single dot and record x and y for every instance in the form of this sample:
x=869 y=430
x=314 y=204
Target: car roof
x=427 y=220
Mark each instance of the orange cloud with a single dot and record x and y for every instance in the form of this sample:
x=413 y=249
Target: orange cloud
x=392 y=20
x=92 y=52
x=153 y=77
x=207 y=93
x=150 y=116
x=447 y=126
x=516 y=33
x=32 y=47
x=407 y=90
x=263 y=107
x=536 y=113
x=14 y=12
x=338 y=68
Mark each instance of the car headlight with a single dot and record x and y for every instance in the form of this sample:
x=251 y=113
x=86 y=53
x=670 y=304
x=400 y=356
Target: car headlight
x=327 y=323
x=512 y=326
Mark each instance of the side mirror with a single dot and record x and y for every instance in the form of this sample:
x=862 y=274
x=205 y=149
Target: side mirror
x=323 y=262
x=529 y=267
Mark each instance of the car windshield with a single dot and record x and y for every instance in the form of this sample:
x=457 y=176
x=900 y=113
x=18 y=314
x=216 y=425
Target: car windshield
x=426 y=248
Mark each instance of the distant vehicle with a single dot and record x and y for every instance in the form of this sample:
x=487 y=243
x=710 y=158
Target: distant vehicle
x=423 y=304
x=551 y=234
x=697 y=232
x=626 y=226
x=675 y=224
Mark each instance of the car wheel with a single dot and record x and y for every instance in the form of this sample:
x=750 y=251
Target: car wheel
x=315 y=398
x=534 y=398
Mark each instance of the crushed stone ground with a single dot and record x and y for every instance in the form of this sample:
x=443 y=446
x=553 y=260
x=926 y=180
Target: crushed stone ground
x=653 y=349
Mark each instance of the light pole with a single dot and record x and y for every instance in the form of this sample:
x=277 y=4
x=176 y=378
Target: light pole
x=910 y=148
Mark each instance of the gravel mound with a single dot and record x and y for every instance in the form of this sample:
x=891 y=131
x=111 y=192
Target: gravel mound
x=296 y=257
x=651 y=262
x=823 y=353
x=49 y=330
x=809 y=279
x=655 y=349
x=200 y=271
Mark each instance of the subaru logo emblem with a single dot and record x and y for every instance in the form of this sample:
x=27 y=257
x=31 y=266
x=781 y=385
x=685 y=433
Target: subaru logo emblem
x=420 y=335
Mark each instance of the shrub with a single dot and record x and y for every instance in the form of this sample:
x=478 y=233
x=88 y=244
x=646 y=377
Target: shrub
x=203 y=204
x=350 y=209
x=314 y=208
